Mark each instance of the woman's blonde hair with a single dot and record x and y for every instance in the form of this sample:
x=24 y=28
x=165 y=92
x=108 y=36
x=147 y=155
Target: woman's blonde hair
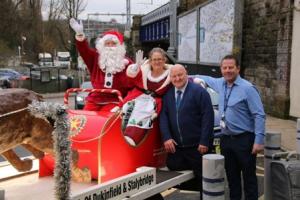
x=158 y=50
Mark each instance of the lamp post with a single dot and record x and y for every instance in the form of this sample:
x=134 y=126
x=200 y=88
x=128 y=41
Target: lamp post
x=23 y=39
x=128 y=16
x=19 y=54
x=70 y=47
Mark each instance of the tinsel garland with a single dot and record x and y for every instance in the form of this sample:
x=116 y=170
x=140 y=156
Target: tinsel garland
x=62 y=144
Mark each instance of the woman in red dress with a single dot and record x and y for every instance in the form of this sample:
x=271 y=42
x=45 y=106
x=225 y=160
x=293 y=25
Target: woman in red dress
x=143 y=104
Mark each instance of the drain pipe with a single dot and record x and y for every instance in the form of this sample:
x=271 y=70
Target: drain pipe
x=2 y=194
x=298 y=136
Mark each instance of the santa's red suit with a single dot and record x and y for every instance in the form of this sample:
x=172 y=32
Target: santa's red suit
x=112 y=76
x=144 y=101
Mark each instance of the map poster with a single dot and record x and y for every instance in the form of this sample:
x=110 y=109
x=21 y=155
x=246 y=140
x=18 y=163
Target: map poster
x=187 y=40
x=216 y=30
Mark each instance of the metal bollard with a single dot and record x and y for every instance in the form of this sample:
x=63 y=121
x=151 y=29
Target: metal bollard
x=213 y=177
x=2 y=194
x=272 y=146
x=298 y=136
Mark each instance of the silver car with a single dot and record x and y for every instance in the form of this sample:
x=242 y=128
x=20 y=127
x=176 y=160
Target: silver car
x=80 y=96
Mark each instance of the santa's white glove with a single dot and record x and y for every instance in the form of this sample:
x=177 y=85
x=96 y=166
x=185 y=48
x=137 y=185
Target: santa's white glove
x=77 y=27
x=139 y=59
x=200 y=82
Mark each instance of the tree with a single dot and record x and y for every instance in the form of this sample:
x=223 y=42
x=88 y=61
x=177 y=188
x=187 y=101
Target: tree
x=23 y=19
x=72 y=9
x=52 y=26
x=57 y=27
x=31 y=26
x=20 y=18
x=9 y=25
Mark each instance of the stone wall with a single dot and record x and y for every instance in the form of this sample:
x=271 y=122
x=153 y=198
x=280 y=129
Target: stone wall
x=267 y=28
x=266 y=49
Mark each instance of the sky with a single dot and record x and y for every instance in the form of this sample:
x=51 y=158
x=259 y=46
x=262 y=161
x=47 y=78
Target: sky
x=119 y=7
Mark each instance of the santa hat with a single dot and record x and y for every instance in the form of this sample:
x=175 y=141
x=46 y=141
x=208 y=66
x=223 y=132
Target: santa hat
x=112 y=35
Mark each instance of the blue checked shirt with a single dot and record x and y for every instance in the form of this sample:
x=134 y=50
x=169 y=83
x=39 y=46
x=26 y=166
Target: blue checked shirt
x=244 y=112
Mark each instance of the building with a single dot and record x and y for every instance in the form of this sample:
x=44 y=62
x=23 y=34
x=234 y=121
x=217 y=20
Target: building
x=263 y=34
x=152 y=30
x=95 y=28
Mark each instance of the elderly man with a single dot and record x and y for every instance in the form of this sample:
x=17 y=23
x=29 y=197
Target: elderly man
x=107 y=65
x=186 y=124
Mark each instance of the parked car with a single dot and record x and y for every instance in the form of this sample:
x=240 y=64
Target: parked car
x=214 y=96
x=80 y=96
x=12 y=74
x=10 y=78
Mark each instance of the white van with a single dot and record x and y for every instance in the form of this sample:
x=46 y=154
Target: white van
x=45 y=60
x=63 y=59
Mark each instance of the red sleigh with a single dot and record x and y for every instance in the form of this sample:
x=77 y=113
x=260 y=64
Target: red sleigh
x=101 y=146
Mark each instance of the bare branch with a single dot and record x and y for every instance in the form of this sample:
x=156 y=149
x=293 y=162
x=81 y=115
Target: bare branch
x=18 y=3
x=72 y=8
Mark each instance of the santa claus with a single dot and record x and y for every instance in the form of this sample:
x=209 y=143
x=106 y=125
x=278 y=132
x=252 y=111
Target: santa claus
x=107 y=65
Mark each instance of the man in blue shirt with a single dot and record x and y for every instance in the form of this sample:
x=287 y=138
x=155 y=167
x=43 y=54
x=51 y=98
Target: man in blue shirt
x=186 y=123
x=242 y=124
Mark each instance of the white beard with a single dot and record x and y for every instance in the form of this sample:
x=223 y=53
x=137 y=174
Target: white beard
x=111 y=59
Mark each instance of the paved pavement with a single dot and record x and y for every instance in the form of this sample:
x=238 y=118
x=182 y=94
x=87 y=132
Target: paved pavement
x=288 y=130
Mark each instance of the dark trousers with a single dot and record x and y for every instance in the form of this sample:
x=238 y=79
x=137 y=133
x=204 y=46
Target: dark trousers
x=239 y=161
x=187 y=159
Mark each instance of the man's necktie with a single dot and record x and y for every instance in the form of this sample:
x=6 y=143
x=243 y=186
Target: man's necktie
x=178 y=98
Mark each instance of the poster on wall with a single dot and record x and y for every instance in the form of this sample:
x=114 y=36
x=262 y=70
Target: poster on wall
x=187 y=40
x=216 y=30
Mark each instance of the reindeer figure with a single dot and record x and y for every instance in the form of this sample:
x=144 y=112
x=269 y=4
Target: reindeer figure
x=18 y=126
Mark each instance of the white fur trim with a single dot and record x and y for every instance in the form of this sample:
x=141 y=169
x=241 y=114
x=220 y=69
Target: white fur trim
x=167 y=81
x=80 y=37
x=110 y=37
x=126 y=61
x=129 y=140
x=146 y=69
x=159 y=78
